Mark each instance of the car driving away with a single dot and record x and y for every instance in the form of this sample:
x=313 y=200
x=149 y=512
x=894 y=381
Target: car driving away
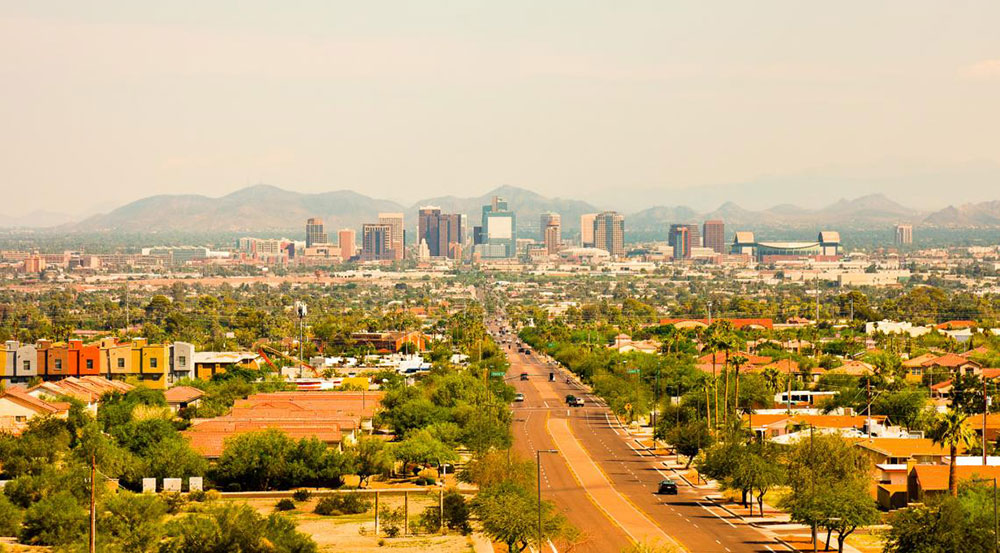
x=524 y=376
x=519 y=397
x=667 y=487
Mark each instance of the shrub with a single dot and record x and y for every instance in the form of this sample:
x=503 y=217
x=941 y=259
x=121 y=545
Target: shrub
x=196 y=495
x=54 y=520
x=327 y=507
x=10 y=517
x=429 y=520
x=212 y=495
x=392 y=521
x=131 y=522
x=456 y=512
x=343 y=504
x=284 y=505
x=174 y=501
x=302 y=494
x=234 y=527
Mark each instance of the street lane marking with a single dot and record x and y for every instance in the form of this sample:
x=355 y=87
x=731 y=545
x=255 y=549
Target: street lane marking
x=574 y=453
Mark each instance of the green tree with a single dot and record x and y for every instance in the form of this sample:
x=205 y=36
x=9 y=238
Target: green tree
x=420 y=447
x=372 y=457
x=509 y=514
x=234 y=527
x=829 y=480
x=58 y=519
x=690 y=439
x=256 y=460
x=131 y=522
x=10 y=517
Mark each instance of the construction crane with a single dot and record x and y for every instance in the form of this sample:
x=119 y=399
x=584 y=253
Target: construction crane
x=264 y=349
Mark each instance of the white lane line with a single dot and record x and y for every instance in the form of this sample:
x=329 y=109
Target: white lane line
x=723 y=519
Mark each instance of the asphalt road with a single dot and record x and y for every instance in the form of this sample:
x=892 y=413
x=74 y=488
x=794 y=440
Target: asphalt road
x=616 y=504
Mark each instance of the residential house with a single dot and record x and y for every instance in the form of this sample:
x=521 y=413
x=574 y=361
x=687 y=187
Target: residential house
x=149 y=363
x=180 y=397
x=625 y=344
x=925 y=482
x=209 y=363
x=20 y=362
x=17 y=407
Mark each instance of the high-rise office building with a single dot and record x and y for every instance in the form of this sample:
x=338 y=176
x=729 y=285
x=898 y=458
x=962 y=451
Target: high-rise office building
x=714 y=235
x=587 y=229
x=551 y=229
x=609 y=233
x=376 y=242
x=315 y=233
x=346 y=239
x=397 y=238
x=439 y=231
x=681 y=241
x=904 y=234
x=553 y=239
x=498 y=236
x=694 y=233
x=547 y=219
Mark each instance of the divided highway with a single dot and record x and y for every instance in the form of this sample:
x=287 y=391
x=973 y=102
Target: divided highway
x=604 y=482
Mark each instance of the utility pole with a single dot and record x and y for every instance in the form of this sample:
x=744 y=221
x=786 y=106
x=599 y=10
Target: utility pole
x=986 y=409
x=817 y=298
x=301 y=310
x=93 y=503
x=868 y=394
x=710 y=313
x=128 y=323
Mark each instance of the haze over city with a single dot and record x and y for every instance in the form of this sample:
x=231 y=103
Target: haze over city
x=681 y=103
x=499 y=277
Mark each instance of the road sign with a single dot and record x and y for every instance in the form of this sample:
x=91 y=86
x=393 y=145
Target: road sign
x=633 y=371
x=497 y=373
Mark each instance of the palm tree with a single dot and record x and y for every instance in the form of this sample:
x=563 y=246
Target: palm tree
x=772 y=379
x=949 y=430
x=738 y=361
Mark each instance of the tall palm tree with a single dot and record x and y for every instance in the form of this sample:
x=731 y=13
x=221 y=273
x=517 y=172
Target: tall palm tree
x=949 y=430
x=738 y=361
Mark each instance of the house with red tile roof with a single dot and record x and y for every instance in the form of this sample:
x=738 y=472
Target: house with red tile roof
x=925 y=482
x=180 y=397
x=17 y=407
x=331 y=417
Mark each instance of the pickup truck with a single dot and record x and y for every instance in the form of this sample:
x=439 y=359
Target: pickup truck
x=574 y=401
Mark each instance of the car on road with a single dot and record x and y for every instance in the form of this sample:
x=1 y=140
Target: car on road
x=519 y=397
x=574 y=401
x=667 y=487
x=524 y=376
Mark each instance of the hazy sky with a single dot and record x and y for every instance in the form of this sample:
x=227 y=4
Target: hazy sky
x=105 y=102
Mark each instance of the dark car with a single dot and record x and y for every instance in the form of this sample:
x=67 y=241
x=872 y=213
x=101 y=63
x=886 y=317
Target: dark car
x=667 y=487
x=524 y=376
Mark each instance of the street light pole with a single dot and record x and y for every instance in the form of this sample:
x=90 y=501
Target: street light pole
x=538 y=469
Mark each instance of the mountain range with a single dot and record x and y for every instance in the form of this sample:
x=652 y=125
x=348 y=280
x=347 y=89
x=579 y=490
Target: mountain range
x=264 y=207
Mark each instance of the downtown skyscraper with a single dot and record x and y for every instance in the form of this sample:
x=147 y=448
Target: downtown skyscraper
x=609 y=233
x=442 y=232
